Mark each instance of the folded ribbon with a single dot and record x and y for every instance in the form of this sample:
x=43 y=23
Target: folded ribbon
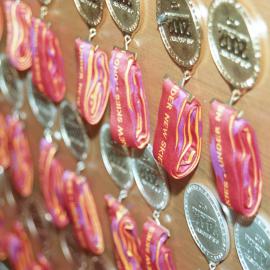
x=155 y=254
x=4 y=151
x=125 y=235
x=48 y=65
x=235 y=159
x=178 y=136
x=18 y=17
x=129 y=108
x=93 y=81
x=83 y=212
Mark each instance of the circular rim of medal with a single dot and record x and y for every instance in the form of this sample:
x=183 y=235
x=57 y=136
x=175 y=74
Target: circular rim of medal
x=87 y=19
x=164 y=202
x=198 y=27
x=120 y=24
x=261 y=222
x=65 y=135
x=218 y=212
x=104 y=129
x=255 y=42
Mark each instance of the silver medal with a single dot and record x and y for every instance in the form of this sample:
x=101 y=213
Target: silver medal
x=206 y=223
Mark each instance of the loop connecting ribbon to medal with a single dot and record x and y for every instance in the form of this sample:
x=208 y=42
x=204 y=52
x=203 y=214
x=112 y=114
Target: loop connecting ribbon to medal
x=235 y=159
x=83 y=212
x=18 y=49
x=93 y=81
x=178 y=135
x=129 y=109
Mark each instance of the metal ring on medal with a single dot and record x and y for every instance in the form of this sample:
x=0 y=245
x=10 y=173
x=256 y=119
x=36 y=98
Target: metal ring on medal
x=253 y=244
x=90 y=10
x=234 y=43
x=10 y=83
x=125 y=13
x=116 y=159
x=44 y=110
x=73 y=131
x=206 y=223
x=150 y=178
x=180 y=29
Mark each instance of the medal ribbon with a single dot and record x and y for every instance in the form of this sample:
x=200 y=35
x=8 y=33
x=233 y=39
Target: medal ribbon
x=83 y=212
x=125 y=236
x=156 y=255
x=18 y=17
x=4 y=151
x=21 y=165
x=129 y=108
x=235 y=159
x=48 y=65
x=51 y=173
x=178 y=136
x=93 y=81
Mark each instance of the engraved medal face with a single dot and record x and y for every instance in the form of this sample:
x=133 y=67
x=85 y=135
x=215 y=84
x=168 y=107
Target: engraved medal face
x=10 y=83
x=253 y=244
x=73 y=131
x=234 y=43
x=206 y=223
x=43 y=109
x=116 y=159
x=150 y=178
x=180 y=30
x=125 y=13
x=90 y=10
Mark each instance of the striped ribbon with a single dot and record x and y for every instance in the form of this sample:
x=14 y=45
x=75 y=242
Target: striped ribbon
x=51 y=181
x=18 y=17
x=83 y=212
x=125 y=236
x=178 y=136
x=155 y=254
x=93 y=81
x=21 y=165
x=235 y=159
x=4 y=151
x=48 y=64
x=129 y=108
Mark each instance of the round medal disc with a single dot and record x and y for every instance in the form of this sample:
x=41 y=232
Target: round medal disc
x=10 y=83
x=73 y=131
x=150 y=178
x=234 y=43
x=116 y=159
x=90 y=10
x=253 y=244
x=125 y=13
x=180 y=29
x=206 y=223
x=43 y=109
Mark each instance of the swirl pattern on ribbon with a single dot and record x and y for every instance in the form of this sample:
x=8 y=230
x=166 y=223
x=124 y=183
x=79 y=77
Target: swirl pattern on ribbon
x=4 y=151
x=93 y=81
x=235 y=159
x=48 y=64
x=83 y=213
x=178 y=136
x=125 y=236
x=129 y=108
x=18 y=49
x=51 y=180
x=21 y=165
x=155 y=254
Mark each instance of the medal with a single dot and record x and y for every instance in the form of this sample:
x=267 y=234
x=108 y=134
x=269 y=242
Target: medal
x=123 y=226
x=207 y=224
x=18 y=17
x=151 y=181
x=129 y=108
x=93 y=73
x=237 y=164
x=178 y=135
